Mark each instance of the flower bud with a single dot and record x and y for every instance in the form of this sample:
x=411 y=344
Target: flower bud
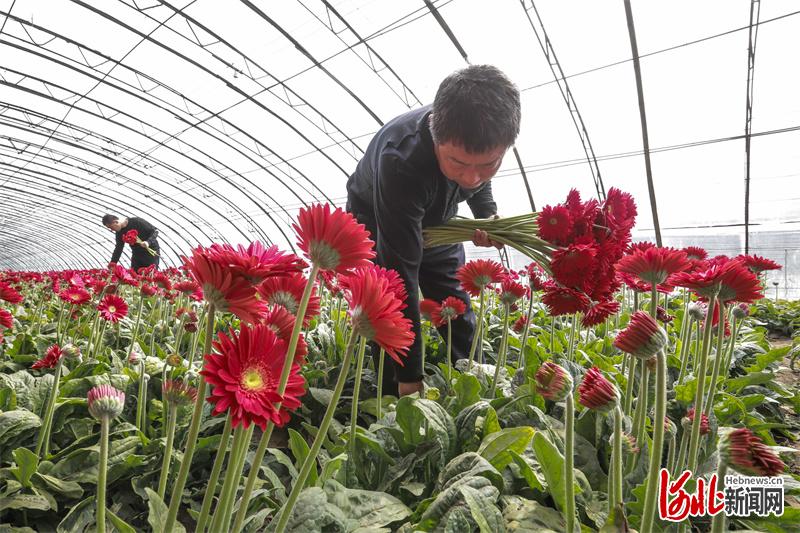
x=741 y=311
x=432 y=393
x=596 y=392
x=105 y=402
x=134 y=357
x=175 y=360
x=643 y=338
x=70 y=351
x=746 y=452
x=697 y=311
x=686 y=421
x=553 y=382
x=177 y=392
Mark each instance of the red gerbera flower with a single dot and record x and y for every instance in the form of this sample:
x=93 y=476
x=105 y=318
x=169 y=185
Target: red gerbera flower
x=748 y=454
x=186 y=286
x=281 y=321
x=288 y=291
x=571 y=266
x=426 y=308
x=376 y=312
x=124 y=275
x=695 y=252
x=450 y=309
x=639 y=246
x=620 y=210
x=553 y=382
x=6 y=319
x=653 y=265
x=50 y=359
x=758 y=264
x=227 y=290
x=689 y=419
x=256 y=262
x=130 y=237
x=555 y=224
x=511 y=291
x=333 y=240
x=396 y=283
x=112 y=308
x=598 y=313
x=478 y=274
x=9 y=293
x=75 y=295
x=596 y=392
x=536 y=277
x=148 y=290
x=519 y=324
x=738 y=284
x=564 y=301
x=643 y=337
x=245 y=373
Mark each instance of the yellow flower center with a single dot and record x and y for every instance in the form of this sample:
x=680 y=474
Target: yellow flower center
x=252 y=379
x=112 y=309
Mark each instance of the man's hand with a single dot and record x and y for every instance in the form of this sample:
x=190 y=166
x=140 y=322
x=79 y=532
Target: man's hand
x=481 y=238
x=144 y=244
x=406 y=389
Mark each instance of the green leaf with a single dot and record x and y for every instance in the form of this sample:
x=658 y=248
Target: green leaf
x=468 y=464
x=490 y=424
x=312 y=512
x=485 y=513
x=24 y=501
x=16 y=426
x=68 y=489
x=80 y=517
x=300 y=450
x=526 y=471
x=468 y=391
x=364 y=508
x=121 y=525
x=496 y=446
x=528 y=516
x=27 y=463
x=734 y=385
x=765 y=359
x=157 y=513
x=331 y=467
x=552 y=463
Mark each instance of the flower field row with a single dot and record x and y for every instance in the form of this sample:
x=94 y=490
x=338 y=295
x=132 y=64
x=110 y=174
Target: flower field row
x=244 y=390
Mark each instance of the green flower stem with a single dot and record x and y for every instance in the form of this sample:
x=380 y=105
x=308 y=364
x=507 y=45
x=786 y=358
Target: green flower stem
x=501 y=353
x=213 y=481
x=686 y=341
x=38 y=315
x=422 y=346
x=694 y=442
x=521 y=359
x=629 y=385
x=449 y=356
x=58 y=324
x=351 y=442
x=102 y=469
x=140 y=404
x=732 y=343
x=231 y=483
x=43 y=441
x=718 y=522
x=195 y=342
x=381 y=357
x=649 y=512
x=552 y=334
x=571 y=348
x=569 y=474
x=681 y=460
x=641 y=408
x=311 y=459
x=98 y=345
x=92 y=334
x=288 y=361
x=194 y=430
x=615 y=479
x=671 y=444
x=172 y=416
x=712 y=390
x=479 y=327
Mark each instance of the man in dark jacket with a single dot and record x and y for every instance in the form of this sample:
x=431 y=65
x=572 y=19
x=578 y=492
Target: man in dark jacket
x=148 y=235
x=415 y=172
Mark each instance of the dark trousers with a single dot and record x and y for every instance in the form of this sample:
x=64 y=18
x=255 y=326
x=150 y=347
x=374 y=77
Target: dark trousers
x=141 y=258
x=437 y=281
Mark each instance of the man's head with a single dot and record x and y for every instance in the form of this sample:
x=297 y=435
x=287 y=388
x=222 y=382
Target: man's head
x=475 y=119
x=112 y=222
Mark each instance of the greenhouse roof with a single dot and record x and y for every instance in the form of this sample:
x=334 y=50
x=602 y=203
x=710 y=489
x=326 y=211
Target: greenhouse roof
x=216 y=121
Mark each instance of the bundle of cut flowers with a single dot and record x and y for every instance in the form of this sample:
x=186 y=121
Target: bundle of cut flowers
x=577 y=242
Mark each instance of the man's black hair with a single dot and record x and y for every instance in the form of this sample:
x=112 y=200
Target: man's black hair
x=477 y=108
x=108 y=219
